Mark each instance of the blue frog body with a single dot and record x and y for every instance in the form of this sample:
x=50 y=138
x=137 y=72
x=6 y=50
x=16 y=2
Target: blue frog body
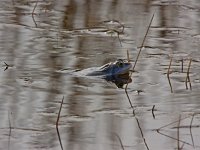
x=116 y=68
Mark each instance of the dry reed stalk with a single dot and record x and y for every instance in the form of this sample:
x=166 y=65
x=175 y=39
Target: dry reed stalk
x=182 y=65
x=59 y=138
x=33 y=13
x=168 y=72
x=152 y=111
x=144 y=140
x=142 y=45
x=59 y=112
x=120 y=141
x=188 y=76
x=129 y=99
x=6 y=66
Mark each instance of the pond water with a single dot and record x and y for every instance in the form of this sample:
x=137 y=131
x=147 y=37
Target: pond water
x=43 y=42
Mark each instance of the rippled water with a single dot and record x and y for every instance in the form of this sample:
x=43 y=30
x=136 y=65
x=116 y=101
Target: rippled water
x=43 y=42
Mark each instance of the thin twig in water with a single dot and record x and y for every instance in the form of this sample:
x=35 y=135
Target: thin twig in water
x=143 y=42
x=130 y=77
x=59 y=138
x=182 y=65
x=57 y=123
x=152 y=110
x=188 y=76
x=33 y=13
x=59 y=112
x=6 y=66
x=137 y=59
x=140 y=48
x=120 y=141
x=191 y=129
x=128 y=98
x=168 y=72
x=142 y=133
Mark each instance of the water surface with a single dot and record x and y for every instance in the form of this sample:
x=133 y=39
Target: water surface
x=43 y=42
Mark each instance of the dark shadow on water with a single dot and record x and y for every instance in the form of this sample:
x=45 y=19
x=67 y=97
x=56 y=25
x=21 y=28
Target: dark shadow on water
x=119 y=80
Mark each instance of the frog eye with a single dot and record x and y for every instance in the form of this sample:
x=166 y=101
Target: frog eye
x=120 y=64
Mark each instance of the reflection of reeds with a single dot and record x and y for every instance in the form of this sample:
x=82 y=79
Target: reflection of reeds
x=116 y=31
x=188 y=76
x=57 y=123
x=178 y=133
x=191 y=129
x=10 y=128
x=184 y=142
x=168 y=72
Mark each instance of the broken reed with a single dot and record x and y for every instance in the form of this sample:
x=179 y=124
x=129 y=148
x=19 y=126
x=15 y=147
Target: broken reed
x=188 y=76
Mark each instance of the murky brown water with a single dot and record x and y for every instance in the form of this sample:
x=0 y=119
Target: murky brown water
x=96 y=114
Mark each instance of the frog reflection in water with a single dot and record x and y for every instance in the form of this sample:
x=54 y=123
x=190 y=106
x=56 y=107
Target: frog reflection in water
x=116 y=72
